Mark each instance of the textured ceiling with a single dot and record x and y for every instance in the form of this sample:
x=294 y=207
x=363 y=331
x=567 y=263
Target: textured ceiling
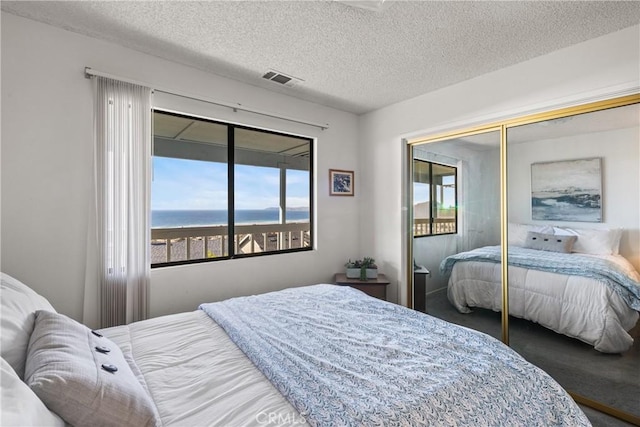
x=349 y=58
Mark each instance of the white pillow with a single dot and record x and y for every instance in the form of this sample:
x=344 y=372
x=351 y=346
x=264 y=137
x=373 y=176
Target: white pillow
x=20 y=405
x=19 y=303
x=593 y=241
x=517 y=233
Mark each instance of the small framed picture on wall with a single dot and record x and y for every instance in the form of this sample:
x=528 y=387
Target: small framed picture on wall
x=341 y=182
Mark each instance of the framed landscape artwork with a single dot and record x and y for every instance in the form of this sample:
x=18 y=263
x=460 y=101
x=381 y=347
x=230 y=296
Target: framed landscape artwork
x=340 y=183
x=569 y=190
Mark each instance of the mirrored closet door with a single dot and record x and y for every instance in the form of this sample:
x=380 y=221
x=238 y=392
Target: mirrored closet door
x=456 y=208
x=556 y=194
x=574 y=245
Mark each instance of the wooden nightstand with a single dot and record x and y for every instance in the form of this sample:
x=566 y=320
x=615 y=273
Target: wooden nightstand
x=373 y=287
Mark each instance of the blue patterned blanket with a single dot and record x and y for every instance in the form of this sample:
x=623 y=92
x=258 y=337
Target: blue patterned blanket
x=345 y=359
x=573 y=264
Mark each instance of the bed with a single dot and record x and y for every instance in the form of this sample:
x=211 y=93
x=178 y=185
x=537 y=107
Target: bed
x=320 y=355
x=586 y=291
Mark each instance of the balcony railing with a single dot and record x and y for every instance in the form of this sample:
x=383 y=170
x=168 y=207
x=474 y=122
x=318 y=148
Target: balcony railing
x=187 y=243
x=440 y=226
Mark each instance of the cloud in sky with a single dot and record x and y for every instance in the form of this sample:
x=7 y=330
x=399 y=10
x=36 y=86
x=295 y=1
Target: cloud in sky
x=180 y=184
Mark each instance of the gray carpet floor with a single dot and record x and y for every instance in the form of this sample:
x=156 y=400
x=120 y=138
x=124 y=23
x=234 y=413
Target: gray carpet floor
x=612 y=379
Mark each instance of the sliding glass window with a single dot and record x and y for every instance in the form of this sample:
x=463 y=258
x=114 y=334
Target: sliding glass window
x=223 y=191
x=435 y=199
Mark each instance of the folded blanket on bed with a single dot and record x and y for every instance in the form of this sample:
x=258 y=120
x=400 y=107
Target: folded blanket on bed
x=573 y=264
x=345 y=359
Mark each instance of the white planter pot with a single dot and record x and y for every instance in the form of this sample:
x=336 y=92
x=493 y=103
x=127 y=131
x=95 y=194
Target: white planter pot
x=353 y=273
x=372 y=273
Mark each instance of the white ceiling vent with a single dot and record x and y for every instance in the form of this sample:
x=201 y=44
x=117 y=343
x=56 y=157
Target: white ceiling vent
x=369 y=5
x=281 y=78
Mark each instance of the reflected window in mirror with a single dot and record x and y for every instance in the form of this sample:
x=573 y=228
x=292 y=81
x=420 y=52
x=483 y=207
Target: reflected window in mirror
x=434 y=199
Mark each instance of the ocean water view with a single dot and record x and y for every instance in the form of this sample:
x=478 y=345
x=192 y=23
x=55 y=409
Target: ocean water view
x=204 y=218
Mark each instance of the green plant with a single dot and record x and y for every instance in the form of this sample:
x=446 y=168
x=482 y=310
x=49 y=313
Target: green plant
x=363 y=265
x=353 y=264
x=368 y=262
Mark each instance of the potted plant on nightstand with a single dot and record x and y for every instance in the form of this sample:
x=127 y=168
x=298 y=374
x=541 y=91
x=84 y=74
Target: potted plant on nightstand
x=363 y=269
x=370 y=267
x=353 y=269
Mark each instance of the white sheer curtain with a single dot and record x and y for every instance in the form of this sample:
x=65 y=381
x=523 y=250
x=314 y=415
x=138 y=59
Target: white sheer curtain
x=122 y=183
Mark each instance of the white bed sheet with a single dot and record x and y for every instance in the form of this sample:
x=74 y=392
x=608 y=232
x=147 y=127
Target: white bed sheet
x=575 y=306
x=197 y=376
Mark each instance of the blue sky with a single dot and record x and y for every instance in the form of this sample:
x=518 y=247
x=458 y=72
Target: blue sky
x=180 y=184
x=421 y=193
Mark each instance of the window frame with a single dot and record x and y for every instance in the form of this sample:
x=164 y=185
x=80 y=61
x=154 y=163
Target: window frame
x=231 y=128
x=433 y=199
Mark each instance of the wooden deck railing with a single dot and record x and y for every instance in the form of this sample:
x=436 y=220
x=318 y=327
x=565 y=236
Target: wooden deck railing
x=186 y=243
x=440 y=225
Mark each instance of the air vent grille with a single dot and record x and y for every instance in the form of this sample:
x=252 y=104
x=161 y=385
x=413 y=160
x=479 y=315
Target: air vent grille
x=368 y=5
x=281 y=78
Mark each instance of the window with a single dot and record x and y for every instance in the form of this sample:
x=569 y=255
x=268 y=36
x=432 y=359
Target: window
x=223 y=191
x=435 y=199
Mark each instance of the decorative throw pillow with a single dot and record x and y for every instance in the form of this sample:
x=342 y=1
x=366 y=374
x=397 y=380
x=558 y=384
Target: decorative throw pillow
x=550 y=242
x=517 y=233
x=84 y=377
x=20 y=406
x=18 y=305
x=593 y=241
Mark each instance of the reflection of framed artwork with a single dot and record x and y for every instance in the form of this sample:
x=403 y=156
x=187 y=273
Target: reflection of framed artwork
x=340 y=183
x=569 y=190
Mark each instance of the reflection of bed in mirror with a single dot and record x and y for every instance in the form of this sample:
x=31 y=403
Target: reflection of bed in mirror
x=590 y=293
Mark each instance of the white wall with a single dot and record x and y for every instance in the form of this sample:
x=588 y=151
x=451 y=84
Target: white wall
x=620 y=154
x=47 y=107
x=578 y=71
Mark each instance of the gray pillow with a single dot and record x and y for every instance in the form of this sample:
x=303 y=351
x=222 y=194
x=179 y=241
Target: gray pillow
x=549 y=242
x=71 y=376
